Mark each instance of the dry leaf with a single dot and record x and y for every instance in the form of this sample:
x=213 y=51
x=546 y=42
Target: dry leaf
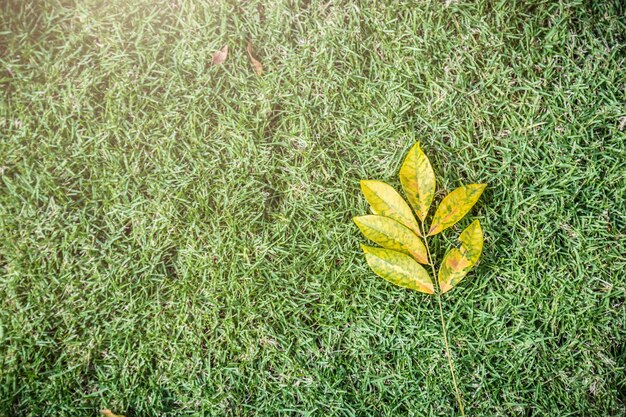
x=109 y=413
x=258 y=67
x=220 y=56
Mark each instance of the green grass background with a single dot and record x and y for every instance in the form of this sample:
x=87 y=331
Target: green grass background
x=176 y=237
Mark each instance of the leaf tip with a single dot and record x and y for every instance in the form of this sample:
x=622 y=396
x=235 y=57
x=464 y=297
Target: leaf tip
x=480 y=187
x=367 y=185
x=365 y=249
x=416 y=146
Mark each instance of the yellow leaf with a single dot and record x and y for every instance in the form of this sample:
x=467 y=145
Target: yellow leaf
x=454 y=206
x=472 y=241
x=386 y=201
x=457 y=262
x=418 y=181
x=256 y=65
x=398 y=268
x=390 y=234
x=109 y=413
x=220 y=56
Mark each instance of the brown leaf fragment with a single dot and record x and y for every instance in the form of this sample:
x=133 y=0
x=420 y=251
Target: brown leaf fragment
x=256 y=65
x=108 y=413
x=220 y=56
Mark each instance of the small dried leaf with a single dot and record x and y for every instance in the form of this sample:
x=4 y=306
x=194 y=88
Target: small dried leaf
x=109 y=413
x=418 y=181
x=458 y=262
x=258 y=67
x=398 y=268
x=220 y=56
x=454 y=206
x=386 y=201
x=390 y=234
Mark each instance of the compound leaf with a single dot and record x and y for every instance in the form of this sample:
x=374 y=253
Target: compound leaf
x=458 y=262
x=398 y=268
x=418 y=181
x=454 y=206
x=386 y=201
x=391 y=234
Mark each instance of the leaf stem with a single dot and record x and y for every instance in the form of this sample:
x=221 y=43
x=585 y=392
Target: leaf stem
x=443 y=322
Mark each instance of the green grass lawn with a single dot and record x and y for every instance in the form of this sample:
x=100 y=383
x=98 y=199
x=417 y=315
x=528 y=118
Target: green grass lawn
x=176 y=237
